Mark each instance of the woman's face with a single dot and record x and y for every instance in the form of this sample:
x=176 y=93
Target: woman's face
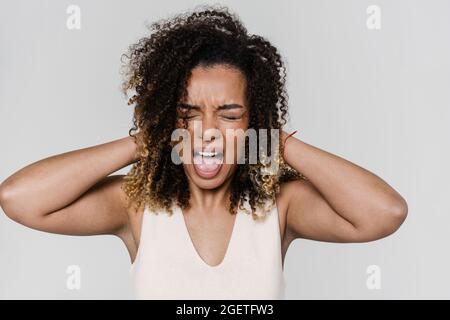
x=215 y=104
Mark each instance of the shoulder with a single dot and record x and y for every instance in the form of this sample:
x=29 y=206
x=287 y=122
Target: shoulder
x=132 y=215
x=295 y=189
x=130 y=233
x=120 y=197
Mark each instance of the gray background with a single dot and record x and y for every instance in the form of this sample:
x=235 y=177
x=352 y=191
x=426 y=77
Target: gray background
x=379 y=98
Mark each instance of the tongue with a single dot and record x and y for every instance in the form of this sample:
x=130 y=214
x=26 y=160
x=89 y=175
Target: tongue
x=206 y=163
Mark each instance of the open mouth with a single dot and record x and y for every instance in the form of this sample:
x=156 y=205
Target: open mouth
x=207 y=164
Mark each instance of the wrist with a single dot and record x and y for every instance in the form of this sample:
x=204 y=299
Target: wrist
x=286 y=141
x=131 y=149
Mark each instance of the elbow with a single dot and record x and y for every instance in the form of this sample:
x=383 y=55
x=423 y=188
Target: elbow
x=398 y=213
x=5 y=196
x=393 y=217
x=9 y=204
x=384 y=222
x=5 y=200
x=5 y=193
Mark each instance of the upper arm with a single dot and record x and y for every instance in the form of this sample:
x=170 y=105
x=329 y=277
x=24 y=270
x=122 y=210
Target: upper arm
x=100 y=210
x=309 y=215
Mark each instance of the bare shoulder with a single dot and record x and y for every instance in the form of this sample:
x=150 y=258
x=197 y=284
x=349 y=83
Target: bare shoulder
x=130 y=233
x=131 y=212
x=288 y=191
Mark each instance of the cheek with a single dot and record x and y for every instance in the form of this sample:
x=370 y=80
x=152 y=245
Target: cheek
x=235 y=142
x=239 y=143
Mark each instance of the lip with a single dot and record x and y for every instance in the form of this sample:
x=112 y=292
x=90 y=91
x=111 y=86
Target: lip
x=207 y=174
x=207 y=148
x=201 y=169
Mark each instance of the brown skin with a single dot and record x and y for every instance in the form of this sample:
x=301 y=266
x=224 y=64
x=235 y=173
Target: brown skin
x=341 y=202
x=209 y=223
x=211 y=89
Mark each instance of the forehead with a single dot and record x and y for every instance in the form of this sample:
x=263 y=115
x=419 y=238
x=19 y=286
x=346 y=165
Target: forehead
x=215 y=85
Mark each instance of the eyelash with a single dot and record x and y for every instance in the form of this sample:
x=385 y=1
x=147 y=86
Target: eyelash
x=228 y=118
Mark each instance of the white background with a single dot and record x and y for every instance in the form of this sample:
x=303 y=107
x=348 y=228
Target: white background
x=379 y=98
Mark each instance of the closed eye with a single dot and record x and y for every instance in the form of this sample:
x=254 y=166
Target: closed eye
x=190 y=115
x=232 y=117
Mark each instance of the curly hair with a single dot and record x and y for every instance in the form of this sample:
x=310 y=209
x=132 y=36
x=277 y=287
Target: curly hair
x=157 y=69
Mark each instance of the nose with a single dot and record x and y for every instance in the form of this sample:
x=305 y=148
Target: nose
x=206 y=130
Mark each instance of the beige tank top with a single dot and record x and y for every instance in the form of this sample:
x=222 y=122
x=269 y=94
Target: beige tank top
x=167 y=265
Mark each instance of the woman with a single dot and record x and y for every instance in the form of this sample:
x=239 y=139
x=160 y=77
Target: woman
x=206 y=228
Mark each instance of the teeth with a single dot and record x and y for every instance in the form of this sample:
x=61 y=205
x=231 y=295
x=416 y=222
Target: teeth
x=207 y=154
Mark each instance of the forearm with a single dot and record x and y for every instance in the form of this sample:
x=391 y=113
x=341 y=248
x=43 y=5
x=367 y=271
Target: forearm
x=54 y=182
x=356 y=194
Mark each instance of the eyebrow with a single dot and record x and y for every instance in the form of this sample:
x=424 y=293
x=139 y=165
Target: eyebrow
x=222 y=107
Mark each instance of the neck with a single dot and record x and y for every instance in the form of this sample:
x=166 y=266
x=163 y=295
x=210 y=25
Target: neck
x=210 y=200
